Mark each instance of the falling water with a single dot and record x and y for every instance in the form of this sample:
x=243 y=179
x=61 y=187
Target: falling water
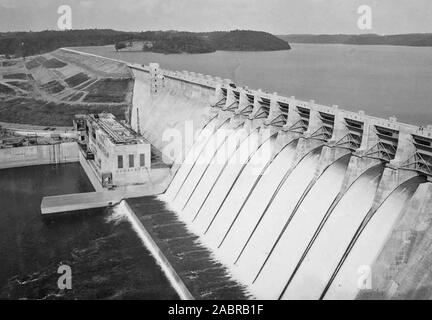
x=274 y=217
x=282 y=230
x=205 y=216
x=217 y=166
x=246 y=214
x=314 y=271
x=233 y=188
x=300 y=230
x=199 y=167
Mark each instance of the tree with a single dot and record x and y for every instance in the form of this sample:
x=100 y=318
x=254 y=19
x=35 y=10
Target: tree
x=119 y=45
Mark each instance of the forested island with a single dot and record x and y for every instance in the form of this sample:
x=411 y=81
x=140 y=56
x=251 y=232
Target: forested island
x=411 y=39
x=30 y=43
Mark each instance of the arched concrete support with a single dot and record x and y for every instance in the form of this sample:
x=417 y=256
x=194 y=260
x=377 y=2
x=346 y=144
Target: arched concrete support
x=405 y=147
x=356 y=167
x=276 y=117
x=218 y=97
x=369 y=139
x=256 y=107
x=340 y=129
x=391 y=179
x=314 y=120
x=366 y=129
x=231 y=103
x=285 y=137
x=243 y=102
x=293 y=115
x=329 y=155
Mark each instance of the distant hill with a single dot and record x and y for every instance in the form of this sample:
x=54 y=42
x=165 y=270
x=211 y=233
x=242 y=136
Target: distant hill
x=412 y=39
x=243 y=40
x=31 y=43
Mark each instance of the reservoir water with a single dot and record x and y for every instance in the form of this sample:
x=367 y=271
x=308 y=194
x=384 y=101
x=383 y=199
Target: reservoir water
x=107 y=259
x=381 y=80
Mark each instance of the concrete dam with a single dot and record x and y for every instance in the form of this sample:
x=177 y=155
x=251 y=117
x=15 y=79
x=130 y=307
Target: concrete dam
x=298 y=200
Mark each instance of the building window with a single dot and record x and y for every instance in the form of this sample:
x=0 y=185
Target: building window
x=142 y=160
x=131 y=161
x=120 y=162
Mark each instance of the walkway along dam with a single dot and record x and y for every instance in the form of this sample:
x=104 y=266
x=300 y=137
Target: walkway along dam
x=298 y=200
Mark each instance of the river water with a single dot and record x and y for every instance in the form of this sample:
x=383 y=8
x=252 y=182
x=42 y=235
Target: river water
x=107 y=259
x=381 y=80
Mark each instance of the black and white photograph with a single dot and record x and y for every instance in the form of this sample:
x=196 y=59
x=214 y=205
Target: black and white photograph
x=216 y=150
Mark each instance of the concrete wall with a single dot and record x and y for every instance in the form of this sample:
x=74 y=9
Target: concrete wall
x=176 y=111
x=402 y=269
x=38 y=155
x=127 y=175
x=91 y=172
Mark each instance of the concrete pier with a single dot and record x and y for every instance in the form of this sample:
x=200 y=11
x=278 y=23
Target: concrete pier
x=91 y=200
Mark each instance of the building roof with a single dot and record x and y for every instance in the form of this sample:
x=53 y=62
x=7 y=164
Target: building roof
x=116 y=131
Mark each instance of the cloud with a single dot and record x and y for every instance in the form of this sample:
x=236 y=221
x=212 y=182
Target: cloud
x=86 y=4
x=276 y=16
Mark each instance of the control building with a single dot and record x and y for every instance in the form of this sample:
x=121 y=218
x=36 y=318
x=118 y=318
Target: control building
x=117 y=155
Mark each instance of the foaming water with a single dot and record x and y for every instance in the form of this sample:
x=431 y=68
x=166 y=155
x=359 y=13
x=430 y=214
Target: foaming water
x=116 y=216
x=316 y=268
x=300 y=230
x=359 y=260
x=273 y=218
x=124 y=212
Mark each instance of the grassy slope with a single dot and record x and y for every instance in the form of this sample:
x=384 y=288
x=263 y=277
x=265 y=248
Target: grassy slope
x=44 y=90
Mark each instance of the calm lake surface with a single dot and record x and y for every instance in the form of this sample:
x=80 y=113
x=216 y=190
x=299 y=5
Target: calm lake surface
x=107 y=259
x=381 y=80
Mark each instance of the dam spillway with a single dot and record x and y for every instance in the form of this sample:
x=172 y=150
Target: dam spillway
x=297 y=199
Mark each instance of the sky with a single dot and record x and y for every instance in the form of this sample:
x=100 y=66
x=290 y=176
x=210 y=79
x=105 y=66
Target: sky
x=274 y=16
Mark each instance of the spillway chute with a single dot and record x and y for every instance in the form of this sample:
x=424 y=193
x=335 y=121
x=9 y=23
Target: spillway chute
x=299 y=228
x=348 y=279
x=206 y=135
x=327 y=246
x=275 y=214
x=242 y=188
x=199 y=167
x=215 y=168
